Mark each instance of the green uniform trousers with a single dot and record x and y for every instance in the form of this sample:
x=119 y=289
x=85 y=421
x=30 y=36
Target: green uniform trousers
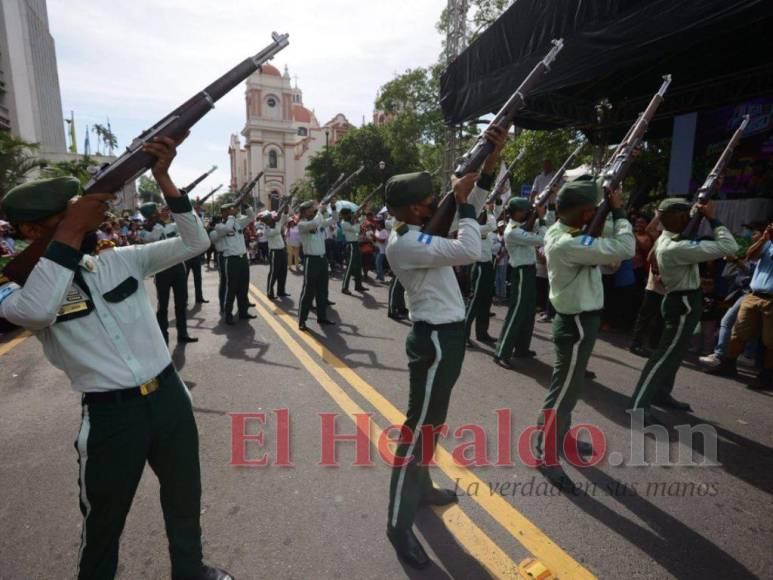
x=479 y=306
x=573 y=339
x=522 y=305
x=435 y=356
x=396 y=297
x=194 y=265
x=681 y=314
x=277 y=271
x=353 y=266
x=115 y=441
x=174 y=280
x=220 y=263
x=315 y=279
x=237 y=282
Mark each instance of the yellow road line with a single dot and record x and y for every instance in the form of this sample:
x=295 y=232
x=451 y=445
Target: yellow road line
x=14 y=342
x=474 y=540
x=519 y=526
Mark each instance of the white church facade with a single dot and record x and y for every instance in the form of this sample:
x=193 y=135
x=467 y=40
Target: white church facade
x=280 y=135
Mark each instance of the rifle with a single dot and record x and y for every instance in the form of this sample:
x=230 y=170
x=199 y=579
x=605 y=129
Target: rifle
x=210 y=194
x=195 y=182
x=247 y=189
x=614 y=171
x=709 y=186
x=499 y=185
x=544 y=196
x=440 y=223
x=134 y=161
x=286 y=201
x=339 y=186
x=366 y=199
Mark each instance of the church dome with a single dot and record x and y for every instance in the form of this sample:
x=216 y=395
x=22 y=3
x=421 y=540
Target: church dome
x=270 y=70
x=301 y=114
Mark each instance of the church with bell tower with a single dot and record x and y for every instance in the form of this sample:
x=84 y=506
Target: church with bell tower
x=280 y=135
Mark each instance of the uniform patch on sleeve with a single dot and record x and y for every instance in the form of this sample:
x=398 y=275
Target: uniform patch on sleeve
x=587 y=240
x=694 y=242
x=401 y=229
x=425 y=239
x=6 y=290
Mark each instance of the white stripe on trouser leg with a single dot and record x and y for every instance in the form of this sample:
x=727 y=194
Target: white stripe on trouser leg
x=272 y=254
x=417 y=430
x=475 y=290
x=515 y=313
x=225 y=298
x=392 y=294
x=349 y=265
x=667 y=353
x=569 y=375
x=305 y=282
x=83 y=439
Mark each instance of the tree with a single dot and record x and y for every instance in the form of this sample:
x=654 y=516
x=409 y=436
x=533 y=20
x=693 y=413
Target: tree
x=148 y=190
x=80 y=168
x=17 y=161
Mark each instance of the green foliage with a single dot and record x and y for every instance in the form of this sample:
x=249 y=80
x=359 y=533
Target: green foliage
x=17 y=160
x=76 y=168
x=148 y=190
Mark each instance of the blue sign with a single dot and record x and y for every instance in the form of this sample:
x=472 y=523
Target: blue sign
x=525 y=190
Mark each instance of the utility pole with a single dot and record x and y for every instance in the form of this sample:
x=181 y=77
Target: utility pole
x=456 y=40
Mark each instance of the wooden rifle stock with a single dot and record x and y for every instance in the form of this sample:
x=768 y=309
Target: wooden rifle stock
x=617 y=167
x=440 y=223
x=707 y=190
x=135 y=161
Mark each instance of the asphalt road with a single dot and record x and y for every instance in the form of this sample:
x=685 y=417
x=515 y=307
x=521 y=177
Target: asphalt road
x=315 y=521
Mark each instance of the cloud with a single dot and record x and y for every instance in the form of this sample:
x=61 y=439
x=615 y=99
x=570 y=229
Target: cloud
x=133 y=61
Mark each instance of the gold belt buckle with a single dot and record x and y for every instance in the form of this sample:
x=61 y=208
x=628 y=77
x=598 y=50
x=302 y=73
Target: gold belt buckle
x=149 y=387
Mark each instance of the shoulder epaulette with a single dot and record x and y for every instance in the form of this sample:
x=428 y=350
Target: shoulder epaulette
x=575 y=232
x=401 y=228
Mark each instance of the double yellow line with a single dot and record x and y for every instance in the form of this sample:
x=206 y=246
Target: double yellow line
x=14 y=342
x=475 y=541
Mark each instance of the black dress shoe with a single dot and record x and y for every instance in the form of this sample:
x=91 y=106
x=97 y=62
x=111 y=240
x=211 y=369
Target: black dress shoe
x=229 y=319
x=283 y=294
x=271 y=296
x=250 y=305
x=247 y=316
x=439 y=497
x=407 y=546
x=488 y=339
x=666 y=401
x=207 y=573
x=590 y=375
x=396 y=316
x=504 y=363
x=404 y=311
x=302 y=325
x=186 y=338
x=330 y=303
x=361 y=289
x=346 y=291
x=525 y=354
x=201 y=301
x=325 y=322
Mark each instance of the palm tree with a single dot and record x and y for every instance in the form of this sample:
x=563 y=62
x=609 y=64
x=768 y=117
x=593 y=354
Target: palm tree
x=17 y=160
x=99 y=131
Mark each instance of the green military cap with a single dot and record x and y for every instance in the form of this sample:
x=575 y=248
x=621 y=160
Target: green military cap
x=226 y=206
x=148 y=209
x=408 y=188
x=309 y=203
x=345 y=210
x=39 y=199
x=584 y=190
x=674 y=204
x=518 y=204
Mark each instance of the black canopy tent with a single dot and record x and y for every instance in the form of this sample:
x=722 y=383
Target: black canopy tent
x=718 y=51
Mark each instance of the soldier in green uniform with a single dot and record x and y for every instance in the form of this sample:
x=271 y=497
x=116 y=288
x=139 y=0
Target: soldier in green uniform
x=218 y=243
x=577 y=294
x=315 y=267
x=435 y=346
x=479 y=304
x=95 y=322
x=236 y=267
x=174 y=279
x=351 y=228
x=677 y=260
x=277 y=252
x=521 y=245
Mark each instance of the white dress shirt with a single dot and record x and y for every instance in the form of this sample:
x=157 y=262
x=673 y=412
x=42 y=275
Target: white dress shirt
x=232 y=233
x=274 y=233
x=313 y=232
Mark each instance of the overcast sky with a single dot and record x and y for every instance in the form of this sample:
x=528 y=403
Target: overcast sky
x=134 y=61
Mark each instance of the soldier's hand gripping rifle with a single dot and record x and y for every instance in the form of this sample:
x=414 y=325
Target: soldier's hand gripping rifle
x=134 y=161
x=214 y=190
x=191 y=186
x=707 y=190
x=617 y=167
x=440 y=223
x=543 y=197
x=340 y=185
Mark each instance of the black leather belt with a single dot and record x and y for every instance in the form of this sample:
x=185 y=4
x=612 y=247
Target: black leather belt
x=131 y=393
x=765 y=295
x=421 y=324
